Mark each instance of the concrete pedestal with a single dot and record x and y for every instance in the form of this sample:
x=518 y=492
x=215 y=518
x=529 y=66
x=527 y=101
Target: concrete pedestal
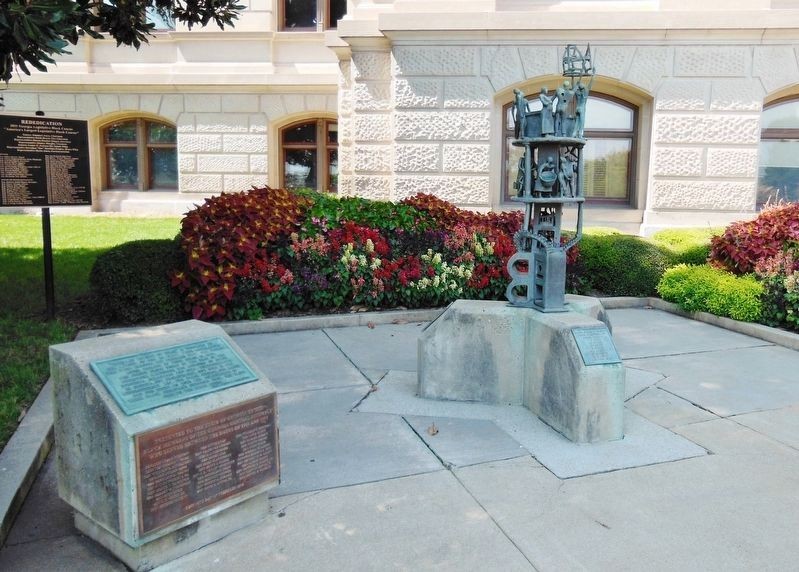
x=155 y=484
x=496 y=353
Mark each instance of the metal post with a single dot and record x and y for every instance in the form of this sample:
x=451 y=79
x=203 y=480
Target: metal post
x=49 y=289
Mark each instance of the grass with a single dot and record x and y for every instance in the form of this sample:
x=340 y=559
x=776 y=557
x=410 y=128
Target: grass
x=24 y=333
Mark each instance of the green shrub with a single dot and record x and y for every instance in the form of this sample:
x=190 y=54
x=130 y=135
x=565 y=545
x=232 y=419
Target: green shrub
x=621 y=264
x=130 y=282
x=707 y=289
x=332 y=211
x=688 y=245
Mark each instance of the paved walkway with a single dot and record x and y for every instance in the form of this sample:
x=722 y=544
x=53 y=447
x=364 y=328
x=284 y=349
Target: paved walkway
x=367 y=487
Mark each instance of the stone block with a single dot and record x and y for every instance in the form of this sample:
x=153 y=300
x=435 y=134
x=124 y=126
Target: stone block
x=468 y=93
x=186 y=123
x=204 y=143
x=20 y=101
x=373 y=158
x=375 y=187
x=703 y=195
x=776 y=66
x=736 y=95
x=316 y=102
x=419 y=158
x=222 y=163
x=136 y=469
x=539 y=60
x=171 y=106
x=435 y=61
x=187 y=163
x=707 y=129
x=736 y=163
x=244 y=143
x=109 y=102
x=372 y=96
x=372 y=127
x=129 y=102
x=345 y=158
x=200 y=183
x=222 y=123
x=240 y=103
x=466 y=158
x=459 y=189
x=258 y=123
x=259 y=164
x=294 y=103
x=711 y=61
x=501 y=65
x=150 y=103
x=417 y=93
x=613 y=61
x=346 y=103
x=678 y=162
x=272 y=106
x=682 y=95
x=238 y=183
x=495 y=353
x=648 y=67
x=443 y=126
x=49 y=102
x=331 y=103
x=202 y=102
x=371 y=65
x=86 y=104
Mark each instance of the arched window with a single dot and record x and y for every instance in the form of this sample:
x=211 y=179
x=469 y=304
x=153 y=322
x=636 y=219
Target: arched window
x=610 y=129
x=778 y=172
x=309 y=155
x=140 y=155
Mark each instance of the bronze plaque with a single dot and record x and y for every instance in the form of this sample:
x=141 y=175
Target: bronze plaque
x=189 y=466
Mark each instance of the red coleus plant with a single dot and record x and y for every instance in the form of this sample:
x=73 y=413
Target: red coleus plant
x=225 y=239
x=743 y=244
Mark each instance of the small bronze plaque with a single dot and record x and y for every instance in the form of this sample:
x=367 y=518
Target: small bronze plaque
x=189 y=466
x=595 y=345
x=153 y=378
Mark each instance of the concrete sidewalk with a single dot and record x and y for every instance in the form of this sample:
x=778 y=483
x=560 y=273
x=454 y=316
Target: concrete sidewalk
x=705 y=479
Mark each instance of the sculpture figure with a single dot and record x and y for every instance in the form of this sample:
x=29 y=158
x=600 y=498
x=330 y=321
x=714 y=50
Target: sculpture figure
x=547 y=119
x=546 y=176
x=581 y=97
x=568 y=168
x=521 y=114
x=565 y=95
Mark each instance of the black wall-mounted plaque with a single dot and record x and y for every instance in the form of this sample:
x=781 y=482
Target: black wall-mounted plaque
x=595 y=345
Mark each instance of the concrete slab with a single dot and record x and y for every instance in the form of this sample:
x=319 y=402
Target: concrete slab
x=727 y=437
x=644 y=443
x=323 y=446
x=732 y=382
x=44 y=515
x=422 y=522
x=391 y=346
x=666 y=409
x=64 y=554
x=297 y=361
x=646 y=332
x=780 y=424
x=636 y=380
x=462 y=442
x=709 y=513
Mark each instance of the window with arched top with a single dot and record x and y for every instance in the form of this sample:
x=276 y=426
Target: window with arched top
x=778 y=171
x=610 y=129
x=140 y=155
x=309 y=155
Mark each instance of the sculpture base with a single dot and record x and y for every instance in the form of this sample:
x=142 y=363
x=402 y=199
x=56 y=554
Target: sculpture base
x=492 y=352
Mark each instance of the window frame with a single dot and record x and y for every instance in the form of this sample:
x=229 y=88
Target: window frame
x=143 y=163
x=775 y=134
x=631 y=135
x=322 y=147
x=323 y=15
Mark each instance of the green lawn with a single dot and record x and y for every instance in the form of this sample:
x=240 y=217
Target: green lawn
x=24 y=333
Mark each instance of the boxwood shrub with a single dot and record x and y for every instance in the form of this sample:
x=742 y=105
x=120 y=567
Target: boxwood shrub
x=130 y=283
x=707 y=289
x=621 y=264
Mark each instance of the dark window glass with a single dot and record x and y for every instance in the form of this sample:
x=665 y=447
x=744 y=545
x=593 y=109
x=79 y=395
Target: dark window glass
x=123 y=167
x=778 y=171
x=164 y=168
x=160 y=133
x=122 y=132
x=332 y=163
x=300 y=14
x=299 y=169
x=338 y=9
x=606 y=168
x=305 y=133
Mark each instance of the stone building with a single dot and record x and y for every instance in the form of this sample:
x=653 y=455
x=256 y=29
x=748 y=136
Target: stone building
x=693 y=118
